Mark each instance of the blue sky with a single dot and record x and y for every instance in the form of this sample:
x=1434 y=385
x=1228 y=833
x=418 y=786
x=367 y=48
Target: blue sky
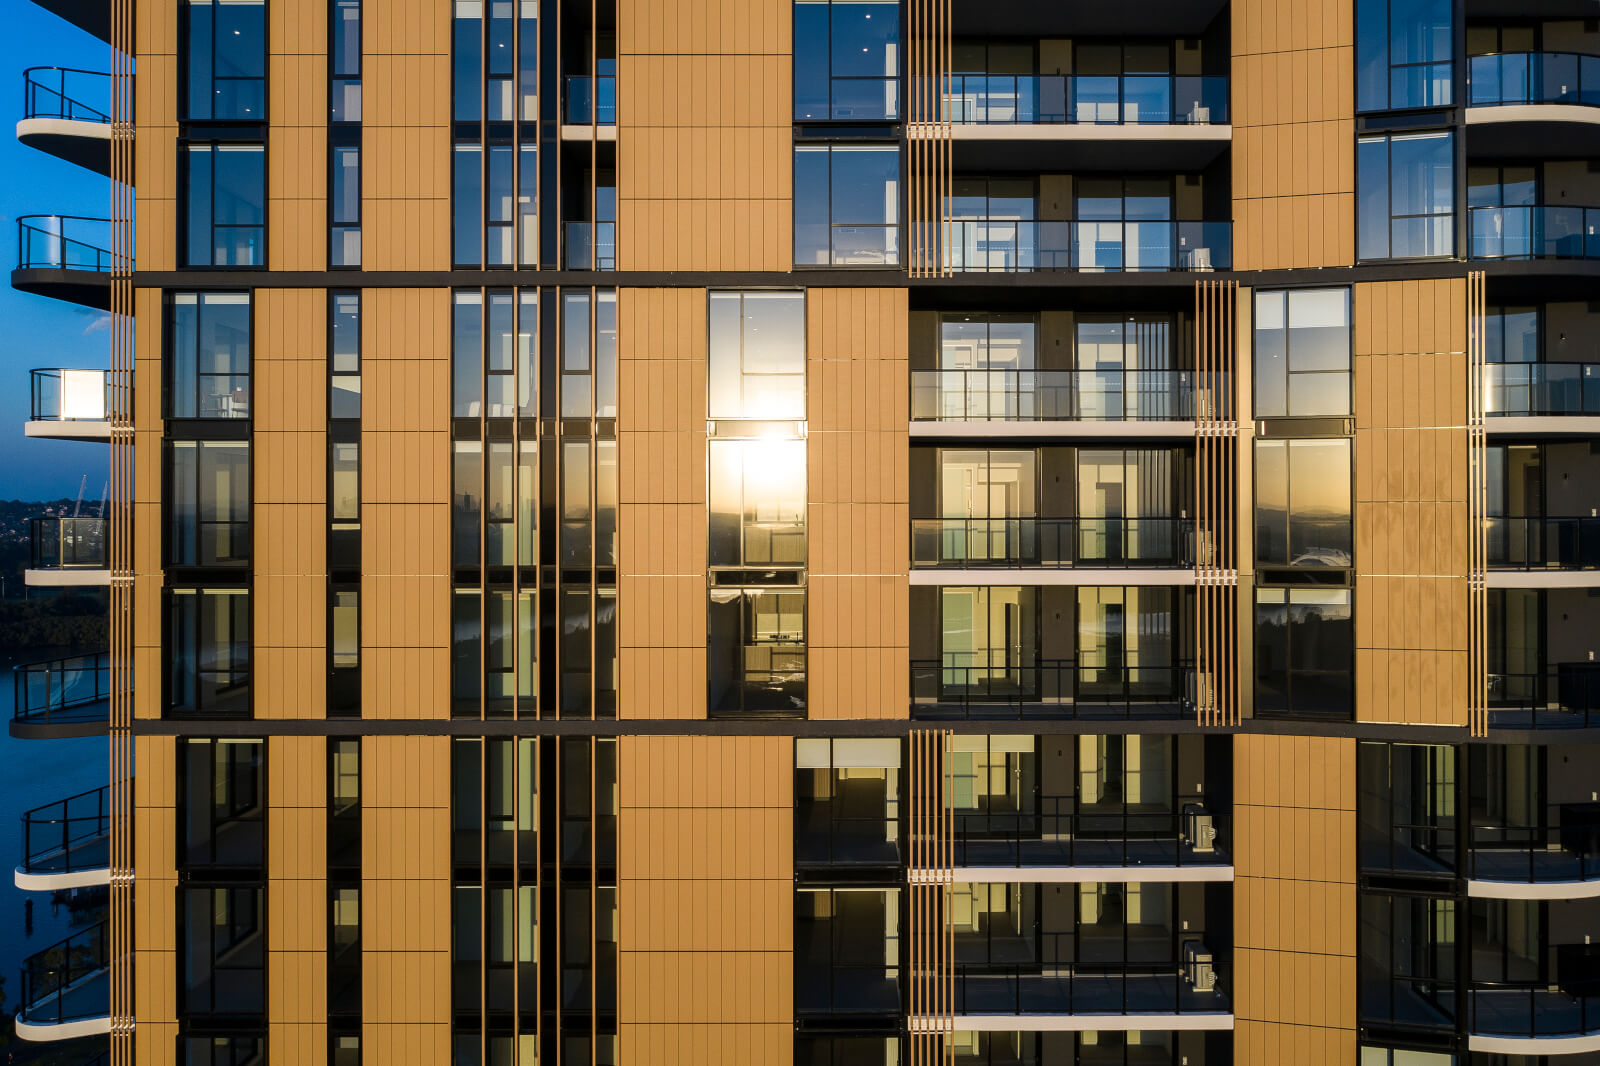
x=34 y=331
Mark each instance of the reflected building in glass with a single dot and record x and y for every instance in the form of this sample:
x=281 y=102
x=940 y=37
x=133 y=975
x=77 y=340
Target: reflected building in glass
x=827 y=532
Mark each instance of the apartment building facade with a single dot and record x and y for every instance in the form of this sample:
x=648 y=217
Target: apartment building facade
x=834 y=532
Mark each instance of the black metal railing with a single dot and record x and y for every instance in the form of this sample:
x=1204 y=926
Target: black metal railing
x=68 y=835
x=1064 y=395
x=823 y=838
x=1061 y=833
x=1533 y=231
x=1086 y=99
x=61 y=395
x=1010 y=245
x=972 y=543
x=1546 y=1009
x=1533 y=78
x=68 y=689
x=1131 y=989
x=1526 y=389
x=1564 y=543
x=59 y=543
x=967 y=686
x=1568 y=850
x=1563 y=696
x=59 y=92
x=1412 y=848
x=66 y=242
x=591 y=100
x=66 y=981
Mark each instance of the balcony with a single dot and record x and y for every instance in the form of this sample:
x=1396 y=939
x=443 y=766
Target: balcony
x=964 y=686
x=1152 y=994
x=66 y=257
x=66 y=989
x=1533 y=231
x=1519 y=103
x=1052 y=543
x=67 y=697
x=58 y=119
x=67 y=844
x=1068 y=843
x=75 y=404
x=591 y=101
x=1543 y=399
x=1012 y=245
x=590 y=245
x=1542 y=543
x=67 y=552
x=1559 y=859
x=1551 y=1018
x=1565 y=696
x=1092 y=403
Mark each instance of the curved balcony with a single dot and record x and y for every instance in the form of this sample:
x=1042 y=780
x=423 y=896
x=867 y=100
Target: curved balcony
x=1558 y=1018
x=66 y=697
x=1564 y=696
x=1092 y=544
x=66 y=988
x=1058 y=403
x=1543 y=399
x=67 y=844
x=67 y=552
x=66 y=257
x=1519 y=103
x=1025 y=245
x=1549 y=861
x=1062 y=121
x=74 y=404
x=1113 y=997
x=1543 y=551
x=964 y=687
x=59 y=119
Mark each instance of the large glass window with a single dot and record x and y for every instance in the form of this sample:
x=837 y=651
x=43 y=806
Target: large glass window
x=1403 y=50
x=223 y=954
x=847 y=950
x=208 y=652
x=846 y=60
x=847 y=801
x=1302 y=364
x=208 y=503
x=226 y=50
x=208 y=355
x=1303 y=502
x=1305 y=652
x=988 y=342
x=988 y=639
x=846 y=205
x=757 y=356
x=757 y=498
x=756 y=651
x=1511 y=334
x=1405 y=190
x=222 y=802
x=495 y=172
x=225 y=204
x=1406 y=970
x=344 y=134
x=1406 y=807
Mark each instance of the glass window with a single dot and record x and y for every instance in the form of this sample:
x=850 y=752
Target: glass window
x=847 y=801
x=222 y=802
x=208 y=652
x=589 y=354
x=847 y=60
x=987 y=342
x=988 y=640
x=757 y=502
x=1407 y=953
x=1305 y=652
x=225 y=204
x=1403 y=51
x=757 y=361
x=1302 y=364
x=1405 y=191
x=208 y=355
x=1511 y=334
x=208 y=503
x=847 y=205
x=847 y=950
x=225 y=72
x=1303 y=502
x=344 y=363
x=248 y=1049
x=223 y=954
x=344 y=207
x=1406 y=807
x=344 y=62
x=495 y=181
x=756 y=652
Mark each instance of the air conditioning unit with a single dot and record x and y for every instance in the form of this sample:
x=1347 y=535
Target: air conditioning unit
x=1199 y=828
x=1199 y=968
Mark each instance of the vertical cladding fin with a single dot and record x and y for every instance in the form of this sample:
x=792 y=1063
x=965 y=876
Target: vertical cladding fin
x=1216 y=688
x=1477 y=508
x=121 y=559
x=929 y=162
x=931 y=988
